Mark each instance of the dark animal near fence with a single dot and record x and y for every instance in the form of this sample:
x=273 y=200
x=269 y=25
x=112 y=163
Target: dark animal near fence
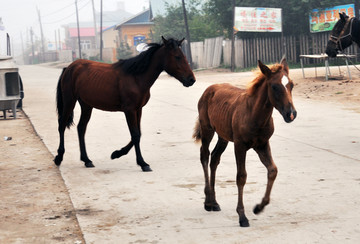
x=345 y=32
x=245 y=118
x=122 y=86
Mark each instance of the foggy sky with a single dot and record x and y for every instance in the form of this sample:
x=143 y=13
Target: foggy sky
x=19 y=15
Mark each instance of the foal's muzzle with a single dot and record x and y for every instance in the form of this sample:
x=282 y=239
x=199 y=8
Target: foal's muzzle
x=290 y=115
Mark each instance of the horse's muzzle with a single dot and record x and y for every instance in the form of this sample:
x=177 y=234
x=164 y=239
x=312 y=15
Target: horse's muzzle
x=189 y=81
x=331 y=49
x=331 y=52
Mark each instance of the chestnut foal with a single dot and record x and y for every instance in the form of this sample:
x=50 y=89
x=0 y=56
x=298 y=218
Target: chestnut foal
x=245 y=118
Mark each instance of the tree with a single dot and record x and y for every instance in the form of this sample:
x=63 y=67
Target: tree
x=295 y=13
x=201 y=25
x=123 y=51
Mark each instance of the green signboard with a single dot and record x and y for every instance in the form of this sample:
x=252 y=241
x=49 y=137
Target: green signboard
x=325 y=19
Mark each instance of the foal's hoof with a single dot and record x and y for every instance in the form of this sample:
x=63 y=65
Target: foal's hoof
x=89 y=165
x=57 y=160
x=258 y=209
x=146 y=168
x=212 y=207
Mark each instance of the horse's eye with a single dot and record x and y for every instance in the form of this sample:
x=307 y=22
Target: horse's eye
x=276 y=87
x=178 y=57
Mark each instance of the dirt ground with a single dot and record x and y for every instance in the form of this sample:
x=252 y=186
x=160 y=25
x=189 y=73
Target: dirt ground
x=338 y=89
x=35 y=206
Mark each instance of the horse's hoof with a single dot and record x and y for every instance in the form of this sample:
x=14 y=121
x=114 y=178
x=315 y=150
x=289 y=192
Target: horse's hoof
x=89 y=165
x=244 y=222
x=146 y=168
x=208 y=207
x=115 y=155
x=118 y=154
x=57 y=161
x=212 y=207
x=216 y=208
x=257 y=209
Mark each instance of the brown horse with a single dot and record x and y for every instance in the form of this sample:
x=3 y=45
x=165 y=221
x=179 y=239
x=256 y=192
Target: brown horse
x=122 y=86
x=245 y=118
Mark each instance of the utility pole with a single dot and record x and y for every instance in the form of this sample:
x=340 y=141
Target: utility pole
x=78 y=27
x=95 y=28
x=60 y=47
x=56 y=42
x=22 y=47
x=32 y=45
x=101 y=27
x=233 y=38
x=8 y=46
x=187 y=34
x=42 y=37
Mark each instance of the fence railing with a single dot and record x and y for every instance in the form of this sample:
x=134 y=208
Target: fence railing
x=269 y=50
x=207 y=54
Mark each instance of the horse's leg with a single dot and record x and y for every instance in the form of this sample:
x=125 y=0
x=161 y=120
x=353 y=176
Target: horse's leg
x=240 y=153
x=264 y=153
x=84 y=119
x=63 y=122
x=207 y=134
x=133 y=119
x=214 y=162
x=123 y=151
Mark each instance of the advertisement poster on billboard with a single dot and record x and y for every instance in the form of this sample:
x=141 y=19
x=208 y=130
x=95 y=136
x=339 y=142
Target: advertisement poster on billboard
x=325 y=19
x=258 y=19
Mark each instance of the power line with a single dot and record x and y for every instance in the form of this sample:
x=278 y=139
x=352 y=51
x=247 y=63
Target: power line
x=68 y=16
x=57 y=11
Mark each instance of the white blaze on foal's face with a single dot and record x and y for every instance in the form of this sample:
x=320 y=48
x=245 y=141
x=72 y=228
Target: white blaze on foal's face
x=285 y=81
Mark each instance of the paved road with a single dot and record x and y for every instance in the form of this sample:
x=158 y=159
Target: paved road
x=315 y=198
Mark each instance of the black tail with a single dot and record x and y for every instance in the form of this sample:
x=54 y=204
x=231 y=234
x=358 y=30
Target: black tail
x=59 y=98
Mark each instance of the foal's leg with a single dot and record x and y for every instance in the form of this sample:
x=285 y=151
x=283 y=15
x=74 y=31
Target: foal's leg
x=133 y=119
x=84 y=119
x=264 y=153
x=67 y=110
x=240 y=153
x=207 y=134
x=214 y=162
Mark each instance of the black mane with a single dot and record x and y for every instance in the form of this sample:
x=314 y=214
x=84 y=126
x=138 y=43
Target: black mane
x=139 y=63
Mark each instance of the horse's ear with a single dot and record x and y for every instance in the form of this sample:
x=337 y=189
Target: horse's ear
x=343 y=16
x=180 y=42
x=285 y=65
x=264 y=69
x=164 y=40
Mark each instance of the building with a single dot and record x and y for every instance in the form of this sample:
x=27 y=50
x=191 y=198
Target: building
x=136 y=29
x=88 y=37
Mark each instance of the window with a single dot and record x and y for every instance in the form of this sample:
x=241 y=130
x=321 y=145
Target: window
x=85 y=44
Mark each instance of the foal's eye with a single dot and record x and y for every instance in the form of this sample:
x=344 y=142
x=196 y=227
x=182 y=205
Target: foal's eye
x=291 y=86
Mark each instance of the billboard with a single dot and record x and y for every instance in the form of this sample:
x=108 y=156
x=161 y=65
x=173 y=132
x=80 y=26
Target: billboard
x=325 y=19
x=258 y=19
